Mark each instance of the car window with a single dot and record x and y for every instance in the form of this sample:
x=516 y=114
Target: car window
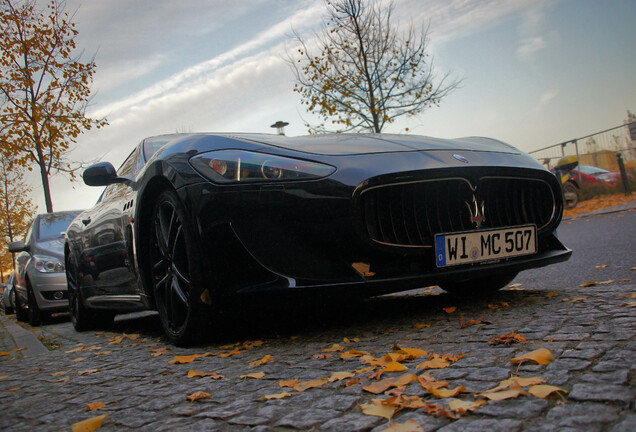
x=128 y=168
x=53 y=225
x=152 y=145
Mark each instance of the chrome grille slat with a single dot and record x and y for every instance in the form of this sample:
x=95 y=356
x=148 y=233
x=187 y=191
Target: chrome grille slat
x=410 y=214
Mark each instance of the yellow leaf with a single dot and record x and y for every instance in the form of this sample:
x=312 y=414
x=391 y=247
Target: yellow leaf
x=102 y=353
x=602 y=266
x=288 y=383
x=364 y=370
x=408 y=426
x=464 y=406
x=323 y=356
x=266 y=359
x=198 y=396
x=353 y=354
x=159 y=351
x=413 y=353
x=575 y=299
x=334 y=348
x=339 y=376
x=347 y=340
x=518 y=381
x=196 y=374
x=88 y=371
x=589 y=284
x=376 y=408
x=306 y=385
x=450 y=309
x=421 y=325
x=383 y=385
x=444 y=393
x=434 y=363
x=543 y=391
x=255 y=375
x=629 y=304
x=282 y=395
x=395 y=367
x=90 y=425
x=4 y=353
x=94 y=406
x=542 y=356
x=552 y=294
x=59 y=373
x=504 y=394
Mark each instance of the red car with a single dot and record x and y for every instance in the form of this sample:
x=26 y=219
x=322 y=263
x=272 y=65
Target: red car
x=591 y=175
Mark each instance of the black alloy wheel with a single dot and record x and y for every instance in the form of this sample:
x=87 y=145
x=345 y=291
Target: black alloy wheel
x=21 y=313
x=174 y=271
x=570 y=195
x=83 y=318
x=11 y=308
x=478 y=287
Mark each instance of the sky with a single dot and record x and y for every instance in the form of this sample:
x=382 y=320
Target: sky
x=533 y=72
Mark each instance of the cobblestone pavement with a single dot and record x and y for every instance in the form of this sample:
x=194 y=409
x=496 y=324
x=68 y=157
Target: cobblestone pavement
x=590 y=331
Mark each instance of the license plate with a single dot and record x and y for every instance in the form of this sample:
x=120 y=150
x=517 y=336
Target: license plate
x=478 y=246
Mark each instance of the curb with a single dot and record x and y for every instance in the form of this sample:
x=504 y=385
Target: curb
x=23 y=338
x=609 y=210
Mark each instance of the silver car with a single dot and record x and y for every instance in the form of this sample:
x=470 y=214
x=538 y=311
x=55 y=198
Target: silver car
x=8 y=296
x=40 y=283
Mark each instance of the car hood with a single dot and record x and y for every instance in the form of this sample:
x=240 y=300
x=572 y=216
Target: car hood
x=351 y=144
x=54 y=248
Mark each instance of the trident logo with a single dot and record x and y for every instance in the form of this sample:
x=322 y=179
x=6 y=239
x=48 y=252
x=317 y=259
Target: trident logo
x=477 y=215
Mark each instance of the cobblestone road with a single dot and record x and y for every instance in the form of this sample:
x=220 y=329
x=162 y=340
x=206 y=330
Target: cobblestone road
x=590 y=330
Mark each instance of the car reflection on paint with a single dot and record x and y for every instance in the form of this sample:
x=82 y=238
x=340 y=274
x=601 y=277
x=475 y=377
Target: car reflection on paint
x=193 y=224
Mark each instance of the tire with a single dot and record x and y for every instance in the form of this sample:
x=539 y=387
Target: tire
x=570 y=195
x=21 y=313
x=479 y=287
x=10 y=309
x=83 y=318
x=174 y=271
x=36 y=316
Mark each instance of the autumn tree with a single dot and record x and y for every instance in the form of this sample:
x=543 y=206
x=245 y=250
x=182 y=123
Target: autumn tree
x=360 y=73
x=45 y=88
x=16 y=210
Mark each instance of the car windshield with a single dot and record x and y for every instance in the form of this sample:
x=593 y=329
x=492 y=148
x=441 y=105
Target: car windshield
x=54 y=225
x=591 y=170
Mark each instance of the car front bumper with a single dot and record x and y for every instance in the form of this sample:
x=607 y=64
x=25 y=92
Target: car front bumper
x=50 y=291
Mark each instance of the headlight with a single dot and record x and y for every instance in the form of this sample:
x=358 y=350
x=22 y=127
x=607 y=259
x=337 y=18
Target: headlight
x=238 y=166
x=46 y=264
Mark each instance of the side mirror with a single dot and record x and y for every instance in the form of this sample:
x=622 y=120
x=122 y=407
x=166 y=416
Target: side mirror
x=17 y=246
x=102 y=174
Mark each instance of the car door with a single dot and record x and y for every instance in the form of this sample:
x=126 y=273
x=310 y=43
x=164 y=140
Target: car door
x=107 y=267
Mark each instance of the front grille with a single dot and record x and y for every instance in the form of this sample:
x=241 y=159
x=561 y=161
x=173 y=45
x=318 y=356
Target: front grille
x=410 y=214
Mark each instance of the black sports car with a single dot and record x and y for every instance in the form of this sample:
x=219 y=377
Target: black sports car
x=191 y=221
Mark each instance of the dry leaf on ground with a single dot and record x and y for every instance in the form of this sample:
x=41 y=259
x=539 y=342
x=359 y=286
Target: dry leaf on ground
x=450 y=309
x=94 y=406
x=589 y=284
x=508 y=339
x=266 y=359
x=255 y=375
x=353 y=354
x=288 y=383
x=339 y=376
x=421 y=325
x=276 y=396
x=408 y=426
x=378 y=409
x=382 y=386
x=552 y=294
x=306 y=385
x=542 y=356
x=481 y=320
x=503 y=304
x=334 y=348
x=461 y=406
x=90 y=425
x=543 y=391
x=198 y=396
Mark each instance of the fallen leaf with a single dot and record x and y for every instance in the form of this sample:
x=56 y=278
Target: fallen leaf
x=355 y=381
x=408 y=426
x=103 y=353
x=89 y=371
x=78 y=359
x=347 y=340
x=323 y=356
x=281 y=395
x=94 y=406
x=629 y=304
x=574 y=299
x=198 y=396
x=395 y=367
x=196 y=374
x=4 y=353
x=481 y=320
x=377 y=409
x=334 y=348
x=59 y=373
x=516 y=285
x=90 y=425
x=205 y=297
x=266 y=359
x=552 y=294
x=421 y=325
x=632 y=295
x=306 y=385
x=440 y=411
x=508 y=339
x=411 y=353
x=364 y=370
x=508 y=389
x=602 y=266
x=353 y=354
x=185 y=359
x=542 y=356
x=61 y=380
x=377 y=375
x=450 y=309
x=434 y=363
x=339 y=376
x=499 y=305
x=235 y=351
x=461 y=406
x=255 y=375
x=607 y=282
x=381 y=386
x=288 y=383
x=444 y=393
x=589 y=284
x=543 y=391
x=159 y=351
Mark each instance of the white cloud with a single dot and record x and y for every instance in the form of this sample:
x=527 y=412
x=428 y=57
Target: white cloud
x=546 y=98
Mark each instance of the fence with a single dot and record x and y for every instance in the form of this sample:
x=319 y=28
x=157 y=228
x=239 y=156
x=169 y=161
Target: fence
x=599 y=149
